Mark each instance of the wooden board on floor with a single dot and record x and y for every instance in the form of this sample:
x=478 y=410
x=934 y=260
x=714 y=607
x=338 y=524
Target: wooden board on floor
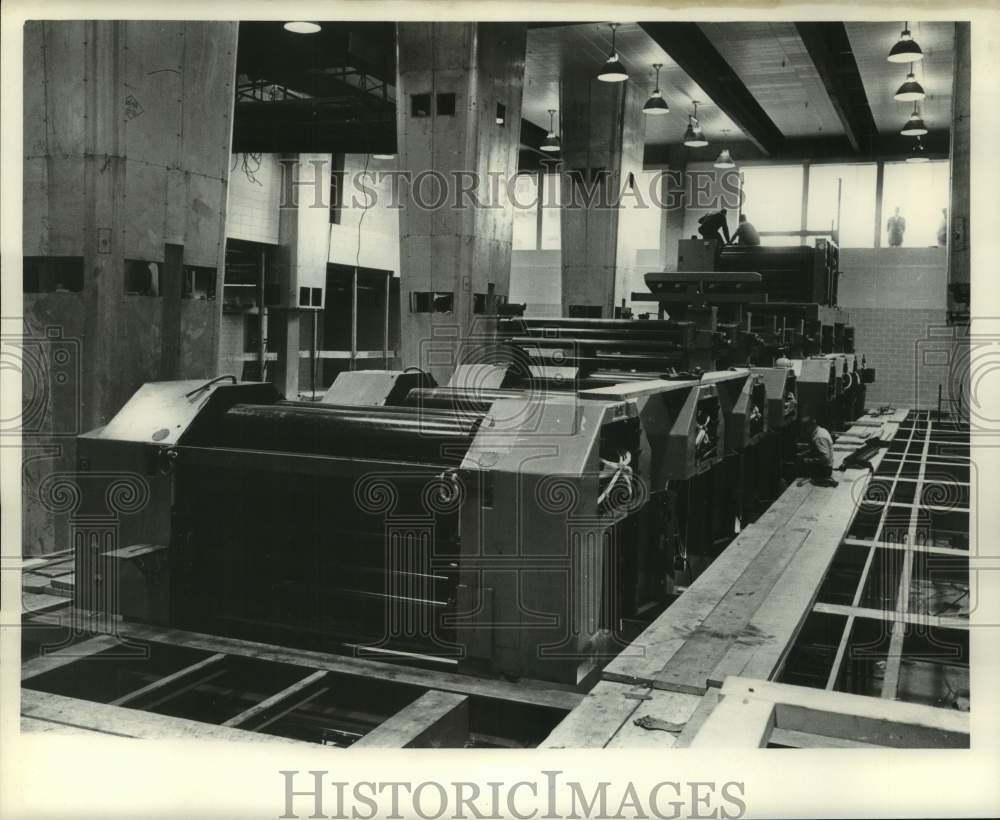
x=312 y=660
x=691 y=667
x=124 y=722
x=658 y=722
x=434 y=720
x=601 y=713
x=67 y=655
x=645 y=657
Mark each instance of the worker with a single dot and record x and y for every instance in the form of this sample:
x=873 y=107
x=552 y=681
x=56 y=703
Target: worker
x=896 y=227
x=817 y=452
x=711 y=223
x=746 y=233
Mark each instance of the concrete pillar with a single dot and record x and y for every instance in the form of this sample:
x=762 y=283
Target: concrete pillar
x=453 y=81
x=602 y=133
x=127 y=134
x=303 y=254
x=958 y=240
x=673 y=196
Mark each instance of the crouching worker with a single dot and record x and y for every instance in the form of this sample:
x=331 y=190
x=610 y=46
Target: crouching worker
x=816 y=451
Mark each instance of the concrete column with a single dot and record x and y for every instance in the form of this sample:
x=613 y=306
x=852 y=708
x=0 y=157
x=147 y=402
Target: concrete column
x=673 y=196
x=451 y=79
x=958 y=240
x=602 y=133
x=302 y=257
x=127 y=135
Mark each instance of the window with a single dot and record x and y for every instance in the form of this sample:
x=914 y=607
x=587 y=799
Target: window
x=420 y=105
x=772 y=196
x=446 y=105
x=47 y=274
x=856 y=214
x=142 y=278
x=431 y=302
x=525 y=201
x=921 y=193
x=199 y=283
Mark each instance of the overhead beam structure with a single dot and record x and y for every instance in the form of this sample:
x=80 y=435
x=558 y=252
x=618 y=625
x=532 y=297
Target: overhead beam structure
x=830 y=50
x=688 y=46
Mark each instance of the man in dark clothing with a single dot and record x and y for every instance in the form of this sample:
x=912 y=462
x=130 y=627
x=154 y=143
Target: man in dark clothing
x=710 y=225
x=816 y=451
x=746 y=233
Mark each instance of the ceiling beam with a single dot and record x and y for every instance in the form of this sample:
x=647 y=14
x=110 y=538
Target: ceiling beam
x=820 y=149
x=688 y=46
x=830 y=50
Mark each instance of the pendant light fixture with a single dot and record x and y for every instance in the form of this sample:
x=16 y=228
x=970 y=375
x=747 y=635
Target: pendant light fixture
x=551 y=142
x=656 y=104
x=693 y=136
x=301 y=27
x=910 y=89
x=914 y=125
x=906 y=49
x=725 y=159
x=917 y=152
x=613 y=71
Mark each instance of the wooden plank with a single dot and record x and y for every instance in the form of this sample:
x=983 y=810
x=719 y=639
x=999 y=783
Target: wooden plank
x=62 y=657
x=809 y=740
x=286 y=695
x=915 y=618
x=691 y=667
x=359 y=667
x=602 y=712
x=704 y=709
x=855 y=717
x=33 y=726
x=642 y=661
x=34 y=602
x=859 y=542
x=652 y=723
x=737 y=723
x=779 y=618
x=435 y=719
x=34 y=583
x=158 y=686
x=124 y=722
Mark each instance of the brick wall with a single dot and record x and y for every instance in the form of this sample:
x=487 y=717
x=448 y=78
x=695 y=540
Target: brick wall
x=896 y=301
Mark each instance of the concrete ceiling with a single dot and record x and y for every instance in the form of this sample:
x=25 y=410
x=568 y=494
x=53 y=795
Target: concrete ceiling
x=769 y=58
x=871 y=43
x=553 y=51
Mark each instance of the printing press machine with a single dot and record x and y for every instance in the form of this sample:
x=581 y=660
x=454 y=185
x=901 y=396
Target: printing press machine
x=525 y=520
x=509 y=541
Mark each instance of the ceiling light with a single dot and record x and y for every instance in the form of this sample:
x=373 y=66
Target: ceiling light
x=914 y=125
x=725 y=159
x=906 y=49
x=917 y=152
x=911 y=89
x=693 y=136
x=302 y=27
x=551 y=141
x=383 y=156
x=613 y=71
x=656 y=104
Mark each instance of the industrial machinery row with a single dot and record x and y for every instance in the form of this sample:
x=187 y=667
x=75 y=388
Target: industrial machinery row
x=525 y=520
